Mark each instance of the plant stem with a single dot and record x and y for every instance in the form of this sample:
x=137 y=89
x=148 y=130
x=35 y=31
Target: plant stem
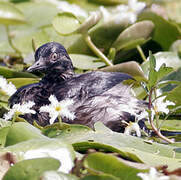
x=60 y=120
x=141 y=52
x=14 y=119
x=33 y=45
x=91 y=45
x=152 y=123
x=10 y=41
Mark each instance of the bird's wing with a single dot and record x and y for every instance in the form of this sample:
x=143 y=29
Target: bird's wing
x=24 y=94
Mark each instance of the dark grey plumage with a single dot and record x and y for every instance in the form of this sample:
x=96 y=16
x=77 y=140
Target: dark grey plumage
x=98 y=96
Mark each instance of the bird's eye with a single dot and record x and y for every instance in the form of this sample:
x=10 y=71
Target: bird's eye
x=54 y=56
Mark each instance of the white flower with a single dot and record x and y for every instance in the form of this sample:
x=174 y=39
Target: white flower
x=160 y=104
x=20 y=109
x=152 y=175
x=67 y=7
x=56 y=109
x=131 y=11
x=7 y=88
x=124 y=12
x=132 y=127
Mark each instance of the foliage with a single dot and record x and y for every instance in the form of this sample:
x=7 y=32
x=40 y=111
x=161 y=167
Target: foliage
x=97 y=36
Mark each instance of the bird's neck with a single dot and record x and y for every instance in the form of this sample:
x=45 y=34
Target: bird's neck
x=56 y=77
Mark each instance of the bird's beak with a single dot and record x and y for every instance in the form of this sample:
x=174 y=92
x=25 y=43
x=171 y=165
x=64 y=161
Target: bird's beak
x=37 y=66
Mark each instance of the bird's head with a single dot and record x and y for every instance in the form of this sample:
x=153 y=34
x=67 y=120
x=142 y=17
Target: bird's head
x=51 y=57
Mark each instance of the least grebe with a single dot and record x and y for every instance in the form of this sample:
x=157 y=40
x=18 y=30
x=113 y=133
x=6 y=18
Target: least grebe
x=97 y=96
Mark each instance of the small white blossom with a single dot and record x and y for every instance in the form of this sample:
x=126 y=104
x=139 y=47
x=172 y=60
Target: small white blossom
x=152 y=175
x=161 y=105
x=20 y=109
x=128 y=12
x=67 y=7
x=56 y=109
x=7 y=88
x=132 y=127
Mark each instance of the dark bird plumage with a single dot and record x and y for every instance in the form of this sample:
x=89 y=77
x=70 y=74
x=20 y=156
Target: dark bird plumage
x=98 y=96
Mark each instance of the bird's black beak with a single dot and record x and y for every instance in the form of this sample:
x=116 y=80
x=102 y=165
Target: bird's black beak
x=37 y=66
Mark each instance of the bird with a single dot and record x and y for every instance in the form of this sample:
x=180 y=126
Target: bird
x=97 y=96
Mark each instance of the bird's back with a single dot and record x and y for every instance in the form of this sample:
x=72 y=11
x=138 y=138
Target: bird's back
x=89 y=84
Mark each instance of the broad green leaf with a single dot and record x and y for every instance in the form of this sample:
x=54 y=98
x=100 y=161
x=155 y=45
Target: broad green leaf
x=103 y=35
x=35 y=13
x=68 y=131
x=38 y=148
x=24 y=42
x=18 y=82
x=37 y=18
x=3 y=134
x=48 y=175
x=162 y=84
x=133 y=33
x=10 y=73
x=91 y=21
x=31 y=169
x=171 y=125
x=101 y=176
x=132 y=44
x=65 y=23
x=109 y=2
x=130 y=147
x=118 y=167
x=165 y=32
x=163 y=71
x=10 y=15
x=21 y=131
x=175 y=95
x=131 y=67
x=85 y=62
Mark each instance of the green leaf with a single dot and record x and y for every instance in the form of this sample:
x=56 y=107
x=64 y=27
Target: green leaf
x=163 y=71
x=134 y=33
x=18 y=82
x=81 y=61
x=109 y=2
x=153 y=76
x=10 y=73
x=101 y=176
x=31 y=169
x=162 y=84
x=3 y=134
x=118 y=168
x=21 y=131
x=129 y=147
x=10 y=15
x=165 y=32
x=91 y=21
x=175 y=95
x=131 y=67
x=65 y=23
x=171 y=59
x=38 y=148
x=48 y=175
x=170 y=125
x=102 y=34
